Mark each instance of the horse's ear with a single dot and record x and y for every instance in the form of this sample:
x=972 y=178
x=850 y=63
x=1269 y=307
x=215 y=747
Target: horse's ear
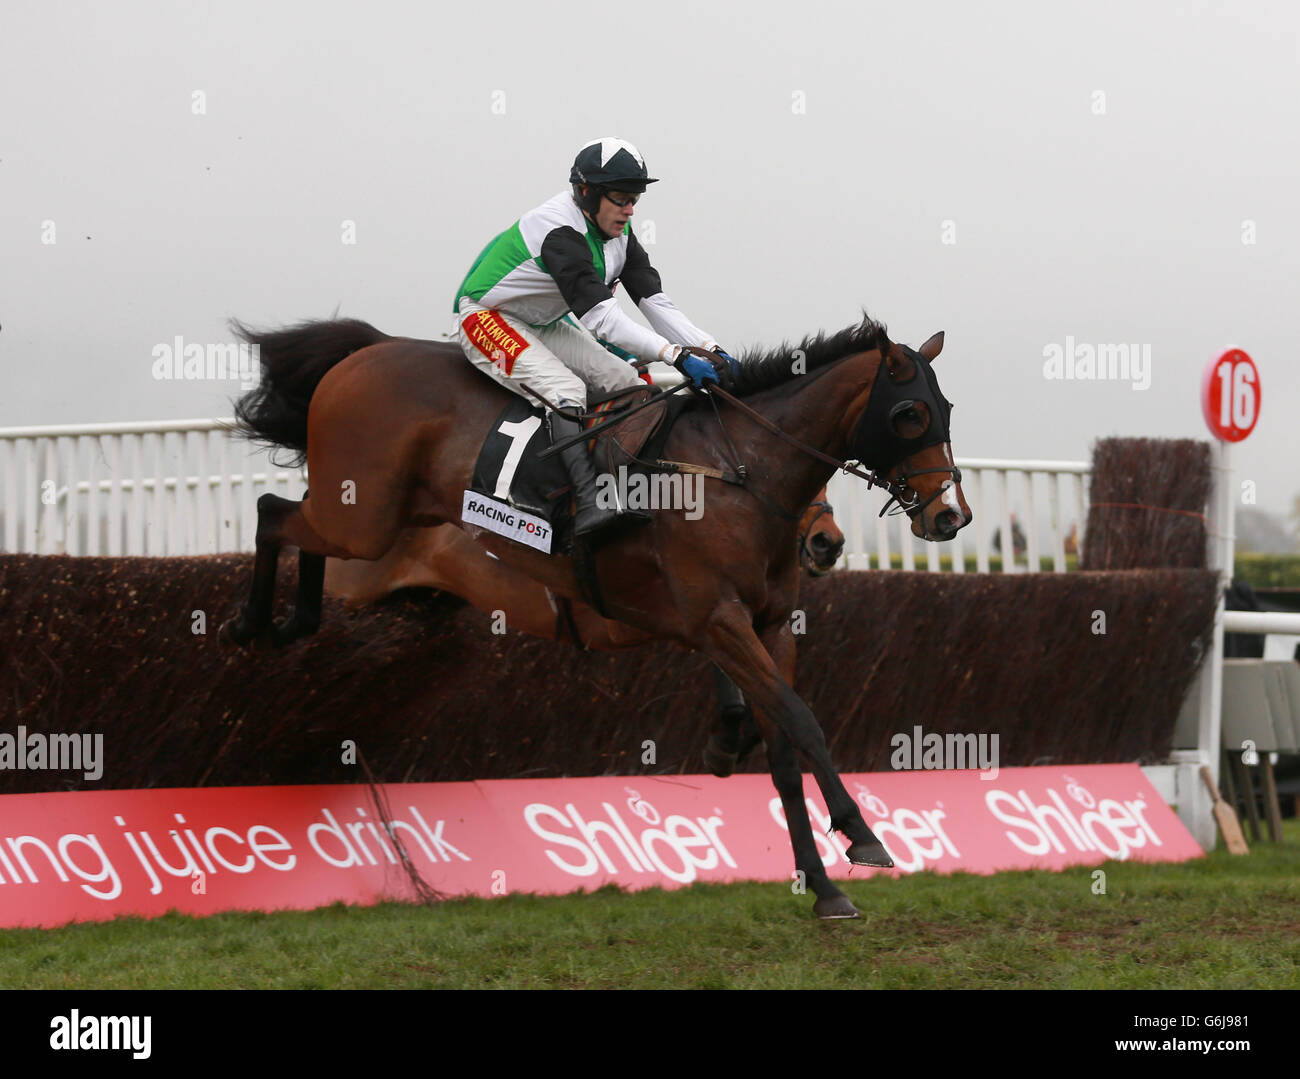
x=932 y=347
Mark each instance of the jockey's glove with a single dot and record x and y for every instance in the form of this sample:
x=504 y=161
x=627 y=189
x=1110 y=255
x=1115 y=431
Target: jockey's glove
x=697 y=370
x=732 y=362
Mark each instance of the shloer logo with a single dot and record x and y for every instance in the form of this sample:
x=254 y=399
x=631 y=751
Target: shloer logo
x=911 y=836
x=676 y=847
x=77 y=1031
x=1112 y=827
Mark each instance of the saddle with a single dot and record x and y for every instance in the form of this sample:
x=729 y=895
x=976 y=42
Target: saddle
x=622 y=444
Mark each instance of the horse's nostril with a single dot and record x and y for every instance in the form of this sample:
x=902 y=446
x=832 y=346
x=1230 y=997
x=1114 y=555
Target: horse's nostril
x=820 y=543
x=948 y=523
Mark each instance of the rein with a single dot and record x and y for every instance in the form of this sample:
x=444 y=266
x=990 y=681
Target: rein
x=900 y=489
x=599 y=428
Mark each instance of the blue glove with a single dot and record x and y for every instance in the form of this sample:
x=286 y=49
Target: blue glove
x=697 y=370
x=732 y=362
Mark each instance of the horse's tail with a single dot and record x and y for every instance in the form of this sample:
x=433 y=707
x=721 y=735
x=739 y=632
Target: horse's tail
x=294 y=360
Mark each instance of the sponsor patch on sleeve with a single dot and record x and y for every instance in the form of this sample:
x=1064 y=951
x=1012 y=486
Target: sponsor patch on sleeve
x=493 y=336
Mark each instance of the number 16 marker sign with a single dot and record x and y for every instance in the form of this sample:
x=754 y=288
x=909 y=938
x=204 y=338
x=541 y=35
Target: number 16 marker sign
x=1230 y=395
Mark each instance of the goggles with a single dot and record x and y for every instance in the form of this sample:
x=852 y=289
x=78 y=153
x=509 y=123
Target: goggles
x=622 y=198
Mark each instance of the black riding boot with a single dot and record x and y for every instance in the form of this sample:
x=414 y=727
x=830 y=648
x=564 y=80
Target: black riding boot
x=589 y=516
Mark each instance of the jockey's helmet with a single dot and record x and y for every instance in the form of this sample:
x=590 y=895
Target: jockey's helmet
x=607 y=164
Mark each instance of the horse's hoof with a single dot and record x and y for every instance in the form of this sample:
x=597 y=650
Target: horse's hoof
x=719 y=762
x=872 y=853
x=288 y=631
x=293 y=627
x=236 y=631
x=835 y=906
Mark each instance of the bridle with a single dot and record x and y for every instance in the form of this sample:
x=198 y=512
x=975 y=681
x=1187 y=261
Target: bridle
x=900 y=489
x=902 y=486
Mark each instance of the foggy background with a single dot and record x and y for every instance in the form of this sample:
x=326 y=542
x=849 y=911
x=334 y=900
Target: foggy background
x=1014 y=175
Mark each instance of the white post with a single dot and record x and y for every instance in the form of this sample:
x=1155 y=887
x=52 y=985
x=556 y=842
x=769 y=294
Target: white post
x=1221 y=553
x=1198 y=816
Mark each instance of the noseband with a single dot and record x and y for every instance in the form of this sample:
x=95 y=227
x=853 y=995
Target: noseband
x=901 y=491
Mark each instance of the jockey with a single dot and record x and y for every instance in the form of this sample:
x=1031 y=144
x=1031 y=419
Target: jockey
x=564 y=256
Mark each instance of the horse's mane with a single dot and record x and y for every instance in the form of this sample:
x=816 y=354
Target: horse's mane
x=763 y=370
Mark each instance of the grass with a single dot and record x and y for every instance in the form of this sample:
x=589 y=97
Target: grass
x=1220 y=923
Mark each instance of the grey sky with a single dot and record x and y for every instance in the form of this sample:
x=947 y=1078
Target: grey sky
x=810 y=155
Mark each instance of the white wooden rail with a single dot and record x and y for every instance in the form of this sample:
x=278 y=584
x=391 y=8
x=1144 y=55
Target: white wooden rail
x=178 y=487
x=186 y=487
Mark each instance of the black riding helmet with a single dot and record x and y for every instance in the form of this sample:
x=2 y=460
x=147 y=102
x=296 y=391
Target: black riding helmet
x=607 y=164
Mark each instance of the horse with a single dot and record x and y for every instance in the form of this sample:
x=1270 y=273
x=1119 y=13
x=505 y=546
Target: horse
x=391 y=427
x=446 y=558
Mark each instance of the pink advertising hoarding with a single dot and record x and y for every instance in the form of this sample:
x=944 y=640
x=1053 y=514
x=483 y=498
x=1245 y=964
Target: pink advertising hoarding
x=96 y=855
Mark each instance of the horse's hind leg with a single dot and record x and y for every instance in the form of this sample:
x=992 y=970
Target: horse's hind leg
x=280 y=522
x=255 y=616
x=304 y=616
x=735 y=734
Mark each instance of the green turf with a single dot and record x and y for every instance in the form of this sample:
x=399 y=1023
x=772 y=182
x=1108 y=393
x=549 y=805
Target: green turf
x=1223 y=922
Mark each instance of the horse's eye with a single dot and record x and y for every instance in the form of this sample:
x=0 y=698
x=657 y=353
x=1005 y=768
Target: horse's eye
x=909 y=419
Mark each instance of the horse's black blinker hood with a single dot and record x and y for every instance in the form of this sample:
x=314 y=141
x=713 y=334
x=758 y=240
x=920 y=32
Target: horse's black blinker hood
x=875 y=440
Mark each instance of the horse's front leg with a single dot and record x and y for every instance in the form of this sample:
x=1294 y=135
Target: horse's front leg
x=788 y=780
x=736 y=648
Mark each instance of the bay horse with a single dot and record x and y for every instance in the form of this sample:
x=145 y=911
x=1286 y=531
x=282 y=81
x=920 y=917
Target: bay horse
x=447 y=559
x=391 y=428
